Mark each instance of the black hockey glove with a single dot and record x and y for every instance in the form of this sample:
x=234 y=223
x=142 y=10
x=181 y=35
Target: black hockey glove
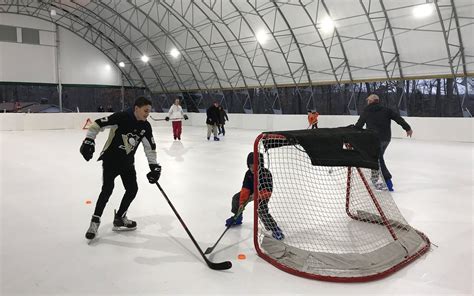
x=185 y=117
x=167 y=118
x=154 y=175
x=87 y=148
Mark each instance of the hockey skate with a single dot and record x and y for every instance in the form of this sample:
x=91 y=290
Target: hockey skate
x=93 y=228
x=234 y=222
x=278 y=234
x=123 y=223
x=389 y=184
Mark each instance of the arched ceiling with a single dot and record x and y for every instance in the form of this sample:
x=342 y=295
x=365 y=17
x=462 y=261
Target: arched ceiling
x=301 y=42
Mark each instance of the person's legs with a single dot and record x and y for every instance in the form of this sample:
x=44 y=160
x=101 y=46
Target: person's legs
x=175 y=129
x=235 y=203
x=209 y=130
x=214 y=131
x=385 y=172
x=179 y=129
x=268 y=221
x=265 y=216
x=109 y=173
x=223 y=130
x=235 y=210
x=129 y=180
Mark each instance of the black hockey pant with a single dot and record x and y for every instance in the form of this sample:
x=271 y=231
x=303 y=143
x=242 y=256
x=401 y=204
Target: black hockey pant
x=129 y=179
x=263 y=212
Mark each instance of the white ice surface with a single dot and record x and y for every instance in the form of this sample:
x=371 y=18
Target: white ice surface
x=45 y=183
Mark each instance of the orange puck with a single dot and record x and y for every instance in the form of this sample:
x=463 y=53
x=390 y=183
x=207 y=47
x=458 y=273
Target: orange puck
x=241 y=256
x=88 y=201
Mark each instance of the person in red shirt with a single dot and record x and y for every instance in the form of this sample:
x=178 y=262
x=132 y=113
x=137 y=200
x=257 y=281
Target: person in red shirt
x=313 y=119
x=246 y=194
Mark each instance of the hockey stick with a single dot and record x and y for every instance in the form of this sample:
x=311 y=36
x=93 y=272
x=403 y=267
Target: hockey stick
x=158 y=119
x=210 y=249
x=216 y=266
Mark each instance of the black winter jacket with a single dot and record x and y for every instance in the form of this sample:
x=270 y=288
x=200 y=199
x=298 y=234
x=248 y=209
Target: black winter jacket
x=212 y=115
x=222 y=116
x=378 y=118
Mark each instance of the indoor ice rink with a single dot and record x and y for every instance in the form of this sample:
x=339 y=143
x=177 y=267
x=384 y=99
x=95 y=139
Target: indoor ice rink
x=266 y=62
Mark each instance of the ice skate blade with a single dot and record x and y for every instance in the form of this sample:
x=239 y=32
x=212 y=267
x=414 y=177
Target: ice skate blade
x=122 y=228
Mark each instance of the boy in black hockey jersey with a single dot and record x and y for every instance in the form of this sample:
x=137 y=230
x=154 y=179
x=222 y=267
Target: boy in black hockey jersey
x=127 y=130
x=246 y=194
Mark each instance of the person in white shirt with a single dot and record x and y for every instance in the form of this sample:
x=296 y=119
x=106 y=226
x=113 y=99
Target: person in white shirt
x=176 y=114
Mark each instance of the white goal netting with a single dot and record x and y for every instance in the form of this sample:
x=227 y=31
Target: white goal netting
x=338 y=222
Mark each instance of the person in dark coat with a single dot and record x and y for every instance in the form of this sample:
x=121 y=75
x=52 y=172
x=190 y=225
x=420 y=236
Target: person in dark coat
x=222 y=118
x=378 y=118
x=212 y=120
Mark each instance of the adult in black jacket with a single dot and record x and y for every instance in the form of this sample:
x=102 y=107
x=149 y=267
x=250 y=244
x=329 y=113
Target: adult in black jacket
x=222 y=118
x=378 y=118
x=212 y=120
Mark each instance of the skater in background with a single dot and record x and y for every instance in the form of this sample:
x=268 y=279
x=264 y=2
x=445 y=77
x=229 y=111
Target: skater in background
x=222 y=119
x=247 y=194
x=176 y=115
x=127 y=130
x=313 y=119
x=378 y=118
x=212 y=120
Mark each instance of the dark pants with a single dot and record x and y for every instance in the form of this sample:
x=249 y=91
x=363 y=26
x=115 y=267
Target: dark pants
x=129 y=179
x=176 y=129
x=385 y=172
x=221 y=129
x=263 y=212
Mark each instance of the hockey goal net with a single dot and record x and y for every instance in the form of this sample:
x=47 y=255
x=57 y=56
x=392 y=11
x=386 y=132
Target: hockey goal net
x=337 y=223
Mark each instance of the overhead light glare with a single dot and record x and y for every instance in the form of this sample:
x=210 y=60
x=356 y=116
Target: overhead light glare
x=424 y=10
x=261 y=36
x=174 y=53
x=145 y=58
x=327 y=25
x=53 y=12
x=121 y=64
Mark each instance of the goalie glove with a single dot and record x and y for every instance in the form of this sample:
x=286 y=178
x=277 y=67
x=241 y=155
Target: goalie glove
x=87 y=148
x=185 y=117
x=155 y=172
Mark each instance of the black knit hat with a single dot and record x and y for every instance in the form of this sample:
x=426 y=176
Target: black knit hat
x=250 y=159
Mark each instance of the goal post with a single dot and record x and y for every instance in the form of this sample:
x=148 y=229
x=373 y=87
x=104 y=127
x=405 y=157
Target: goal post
x=338 y=224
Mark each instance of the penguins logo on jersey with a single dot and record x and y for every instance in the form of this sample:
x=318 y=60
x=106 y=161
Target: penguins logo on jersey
x=130 y=141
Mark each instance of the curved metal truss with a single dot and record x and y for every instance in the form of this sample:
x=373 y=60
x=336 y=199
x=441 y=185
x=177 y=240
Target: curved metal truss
x=203 y=47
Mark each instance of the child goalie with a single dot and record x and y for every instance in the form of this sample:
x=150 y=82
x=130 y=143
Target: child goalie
x=246 y=194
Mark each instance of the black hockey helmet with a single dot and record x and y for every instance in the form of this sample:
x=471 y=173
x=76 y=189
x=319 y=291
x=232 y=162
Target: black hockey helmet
x=250 y=159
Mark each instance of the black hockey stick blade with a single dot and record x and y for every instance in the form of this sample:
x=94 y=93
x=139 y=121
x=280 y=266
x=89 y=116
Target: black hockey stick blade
x=218 y=266
x=213 y=265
